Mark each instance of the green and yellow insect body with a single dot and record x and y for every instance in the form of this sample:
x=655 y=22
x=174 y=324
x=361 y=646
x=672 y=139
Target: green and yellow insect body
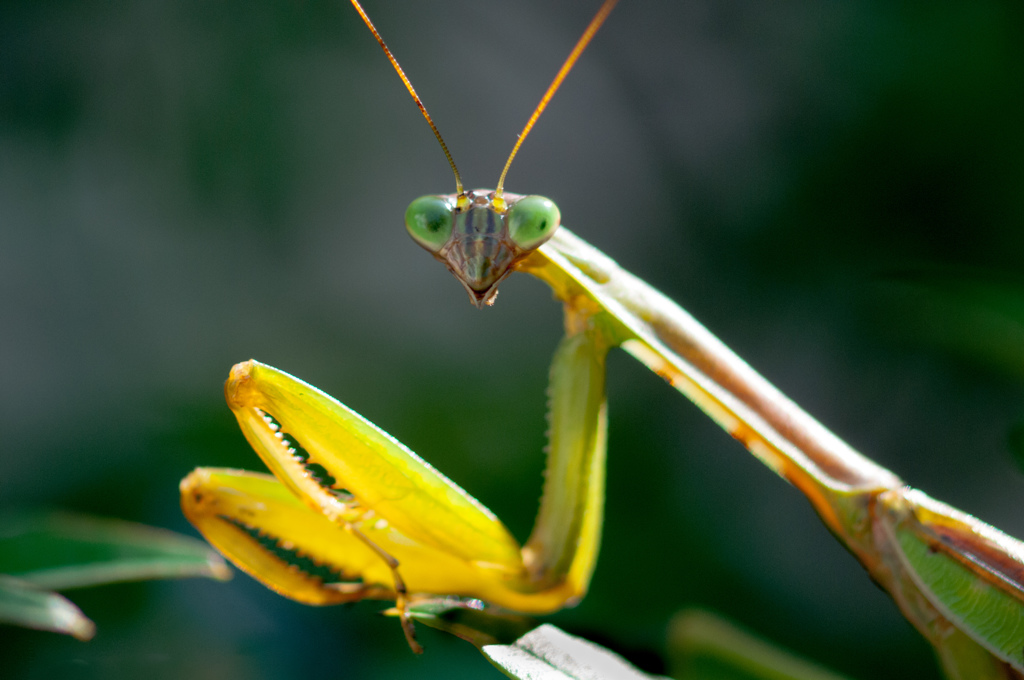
x=351 y=514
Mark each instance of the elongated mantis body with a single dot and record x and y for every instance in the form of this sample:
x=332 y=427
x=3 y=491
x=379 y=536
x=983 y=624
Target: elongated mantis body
x=352 y=514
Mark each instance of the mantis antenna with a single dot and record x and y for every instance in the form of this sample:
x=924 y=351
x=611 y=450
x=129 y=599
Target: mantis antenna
x=581 y=45
x=498 y=200
x=412 y=91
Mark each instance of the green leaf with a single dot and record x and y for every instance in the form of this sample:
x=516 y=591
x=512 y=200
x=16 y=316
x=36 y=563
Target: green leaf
x=521 y=649
x=58 y=551
x=23 y=605
x=548 y=653
x=703 y=646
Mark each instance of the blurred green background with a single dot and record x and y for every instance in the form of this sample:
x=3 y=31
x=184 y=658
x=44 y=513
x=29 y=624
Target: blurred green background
x=835 y=189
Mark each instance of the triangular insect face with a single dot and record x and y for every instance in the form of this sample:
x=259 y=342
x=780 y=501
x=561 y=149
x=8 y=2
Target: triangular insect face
x=476 y=240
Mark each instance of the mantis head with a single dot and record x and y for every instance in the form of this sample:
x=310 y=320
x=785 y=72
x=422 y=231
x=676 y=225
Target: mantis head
x=481 y=237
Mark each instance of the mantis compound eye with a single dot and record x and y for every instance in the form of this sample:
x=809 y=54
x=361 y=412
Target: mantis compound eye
x=429 y=221
x=532 y=220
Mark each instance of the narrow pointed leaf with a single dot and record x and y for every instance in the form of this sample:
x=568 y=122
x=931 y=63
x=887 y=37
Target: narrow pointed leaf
x=57 y=550
x=703 y=645
x=23 y=605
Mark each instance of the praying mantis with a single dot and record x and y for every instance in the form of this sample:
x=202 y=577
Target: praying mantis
x=351 y=514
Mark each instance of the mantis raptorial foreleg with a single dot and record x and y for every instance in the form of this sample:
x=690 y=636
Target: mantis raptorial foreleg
x=335 y=470
x=401 y=591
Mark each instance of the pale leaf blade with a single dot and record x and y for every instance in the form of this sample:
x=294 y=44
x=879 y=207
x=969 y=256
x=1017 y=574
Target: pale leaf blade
x=23 y=605
x=56 y=550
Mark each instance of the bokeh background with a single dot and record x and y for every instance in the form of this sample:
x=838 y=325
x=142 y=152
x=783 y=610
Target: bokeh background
x=835 y=189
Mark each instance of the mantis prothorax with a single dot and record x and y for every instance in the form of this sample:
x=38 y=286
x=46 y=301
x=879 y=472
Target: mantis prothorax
x=353 y=514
